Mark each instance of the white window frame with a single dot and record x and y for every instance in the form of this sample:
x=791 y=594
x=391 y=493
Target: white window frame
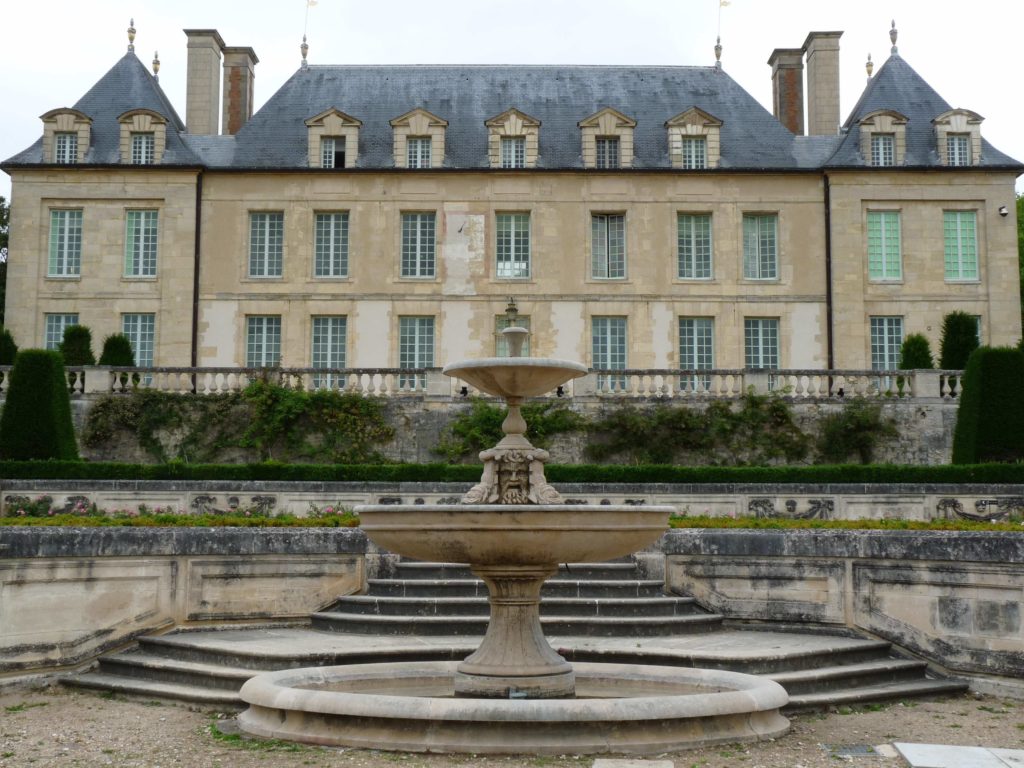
x=141 y=242
x=886 y=336
x=885 y=246
x=65 y=148
x=143 y=148
x=694 y=152
x=883 y=149
x=419 y=244
x=760 y=246
x=512 y=246
x=418 y=151
x=54 y=324
x=761 y=343
x=262 y=341
x=694 y=247
x=415 y=349
x=65 y=252
x=140 y=330
x=328 y=342
x=266 y=244
x=330 y=148
x=608 y=350
x=330 y=244
x=608 y=246
x=958 y=149
x=608 y=152
x=960 y=246
x=513 y=151
x=696 y=352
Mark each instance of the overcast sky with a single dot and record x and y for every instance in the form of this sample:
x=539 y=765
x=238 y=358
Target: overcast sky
x=52 y=52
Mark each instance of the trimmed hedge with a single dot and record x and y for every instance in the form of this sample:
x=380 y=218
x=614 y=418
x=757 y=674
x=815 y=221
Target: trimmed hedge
x=470 y=473
x=990 y=418
x=117 y=350
x=36 y=419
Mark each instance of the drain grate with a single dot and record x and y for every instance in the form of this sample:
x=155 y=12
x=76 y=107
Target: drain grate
x=851 y=750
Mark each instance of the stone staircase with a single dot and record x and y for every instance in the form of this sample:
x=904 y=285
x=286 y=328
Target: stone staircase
x=435 y=611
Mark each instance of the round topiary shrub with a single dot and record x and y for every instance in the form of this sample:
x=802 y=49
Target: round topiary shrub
x=8 y=349
x=77 y=346
x=916 y=353
x=117 y=350
x=36 y=419
x=959 y=340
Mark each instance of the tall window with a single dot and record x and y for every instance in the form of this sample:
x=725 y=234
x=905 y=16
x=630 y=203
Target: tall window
x=65 y=244
x=694 y=246
x=143 y=149
x=329 y=334
x=608 y=152
x=332 y=152
x=513 y=152
x=883 y=150
x=415 y=349
x=761 y=342
x=607 y=245
x=262 y=341
x=884 y=258
x=501 y=322
x=695 y=152
x=696 y=351
x=961 y=236
x=417 y=152
x=886 y=341
x=140 y=243
x=65 y=149
x=331 y=247
x=266 y=244
x=608 y=351
x=513 y=244
x=140 y=329
x=760 y=250
x=54 y=325
x=958 y=149
x=418 y=244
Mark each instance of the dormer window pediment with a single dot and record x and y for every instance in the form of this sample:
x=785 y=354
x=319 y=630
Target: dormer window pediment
x=958 y=137
x=883 y=137
x=694 y=139
x=143 y=137
x=607 y=138
x=513 y=140
x=333 y=139
x=421 y=125
x=66 y=136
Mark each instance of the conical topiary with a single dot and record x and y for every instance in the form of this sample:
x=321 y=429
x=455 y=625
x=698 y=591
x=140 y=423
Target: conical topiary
x=959 y=340
x=77 y=346
x=36 y=419
x=117 y=350
x=8 y=349
x=916 y=353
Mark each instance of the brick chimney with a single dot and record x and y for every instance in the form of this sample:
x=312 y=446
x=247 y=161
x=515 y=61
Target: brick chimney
x=202 y=90
x=822 y=49
x=788 y=87
x=239 y=77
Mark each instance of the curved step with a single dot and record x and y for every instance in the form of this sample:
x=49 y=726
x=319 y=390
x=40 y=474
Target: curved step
x=153 y=689
x=552 y=588
x=871 y=673
x=868 y=693
x=376 y=605
x=140 y=665
x=406 y=569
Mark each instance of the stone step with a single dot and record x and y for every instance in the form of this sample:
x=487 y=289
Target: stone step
x=848 y=676
x=462 y=626
x=407 y=569
x=553 y=588
x=869 y=693
x=153 y=689
x=550 y=606
x=140 y=665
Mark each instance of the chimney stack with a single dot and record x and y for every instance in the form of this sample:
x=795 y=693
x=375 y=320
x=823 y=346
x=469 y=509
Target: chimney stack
x=822 y=49
x=239 y=77
x=202 y=90
x=788 y=87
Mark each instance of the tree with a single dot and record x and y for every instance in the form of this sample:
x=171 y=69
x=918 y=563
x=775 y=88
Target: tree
x=77 y=346
x=117 y=350
x=8 y=349
x=990 y=418
x=5 y=220
x=916 y=353
x=959 y=339
x=36 y=419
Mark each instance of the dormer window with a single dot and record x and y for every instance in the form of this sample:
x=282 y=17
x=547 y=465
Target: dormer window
x=607 y=138
x=332 y=139
x=883 y=138
x=418 y=152
x=513 y=151
x=65 y=148
x=958 y=149
x=332 y=152
x=419 y=140
x=958 y=137
x=143 y=148
x=694 y=139
x=607 y=149
x=883 y=150
x=695 y=152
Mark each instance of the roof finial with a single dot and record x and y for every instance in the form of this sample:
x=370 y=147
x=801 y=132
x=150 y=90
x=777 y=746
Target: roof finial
x=892 y=36
x=131 y=36
x=156 y=65
x=869 y=65
x=718 y=52
x=305 y=51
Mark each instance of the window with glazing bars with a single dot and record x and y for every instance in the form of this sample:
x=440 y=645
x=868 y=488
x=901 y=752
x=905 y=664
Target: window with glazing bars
x=607 y=152
x=53 y=328
x=958 y=149
x=886 y=342
x=513 y=152
x=143 y=149
x=140 y=243
x=608 y=351
x=266 y=244
x=761 y=342
x=961 y=245
x=328 y=345
x=607 y=245
x=65 y=150
x=415 y=350
x=262 y=341
x=140 y=330
x=693 y=238
x=884 y=258
x=330 y=257
x=694 y=152
x=65 y=244
x=513 y=245
x=417 y=151
x=760 y=253
x=418 y=232
x=501 y=322
x=332 y=152
x=883 y=151
x=696 y=352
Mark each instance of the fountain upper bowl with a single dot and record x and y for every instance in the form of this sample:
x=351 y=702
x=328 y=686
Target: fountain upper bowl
x=515 y=376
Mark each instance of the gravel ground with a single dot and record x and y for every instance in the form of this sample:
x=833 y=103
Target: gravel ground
x=57 y=727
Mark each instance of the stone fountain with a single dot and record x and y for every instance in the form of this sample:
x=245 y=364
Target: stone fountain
x=515 y=693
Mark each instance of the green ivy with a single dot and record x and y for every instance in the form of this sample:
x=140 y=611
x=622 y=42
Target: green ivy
x=856 y=430
x=479 y=428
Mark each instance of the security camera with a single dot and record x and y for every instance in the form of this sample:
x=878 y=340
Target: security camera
x=1004 y=211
